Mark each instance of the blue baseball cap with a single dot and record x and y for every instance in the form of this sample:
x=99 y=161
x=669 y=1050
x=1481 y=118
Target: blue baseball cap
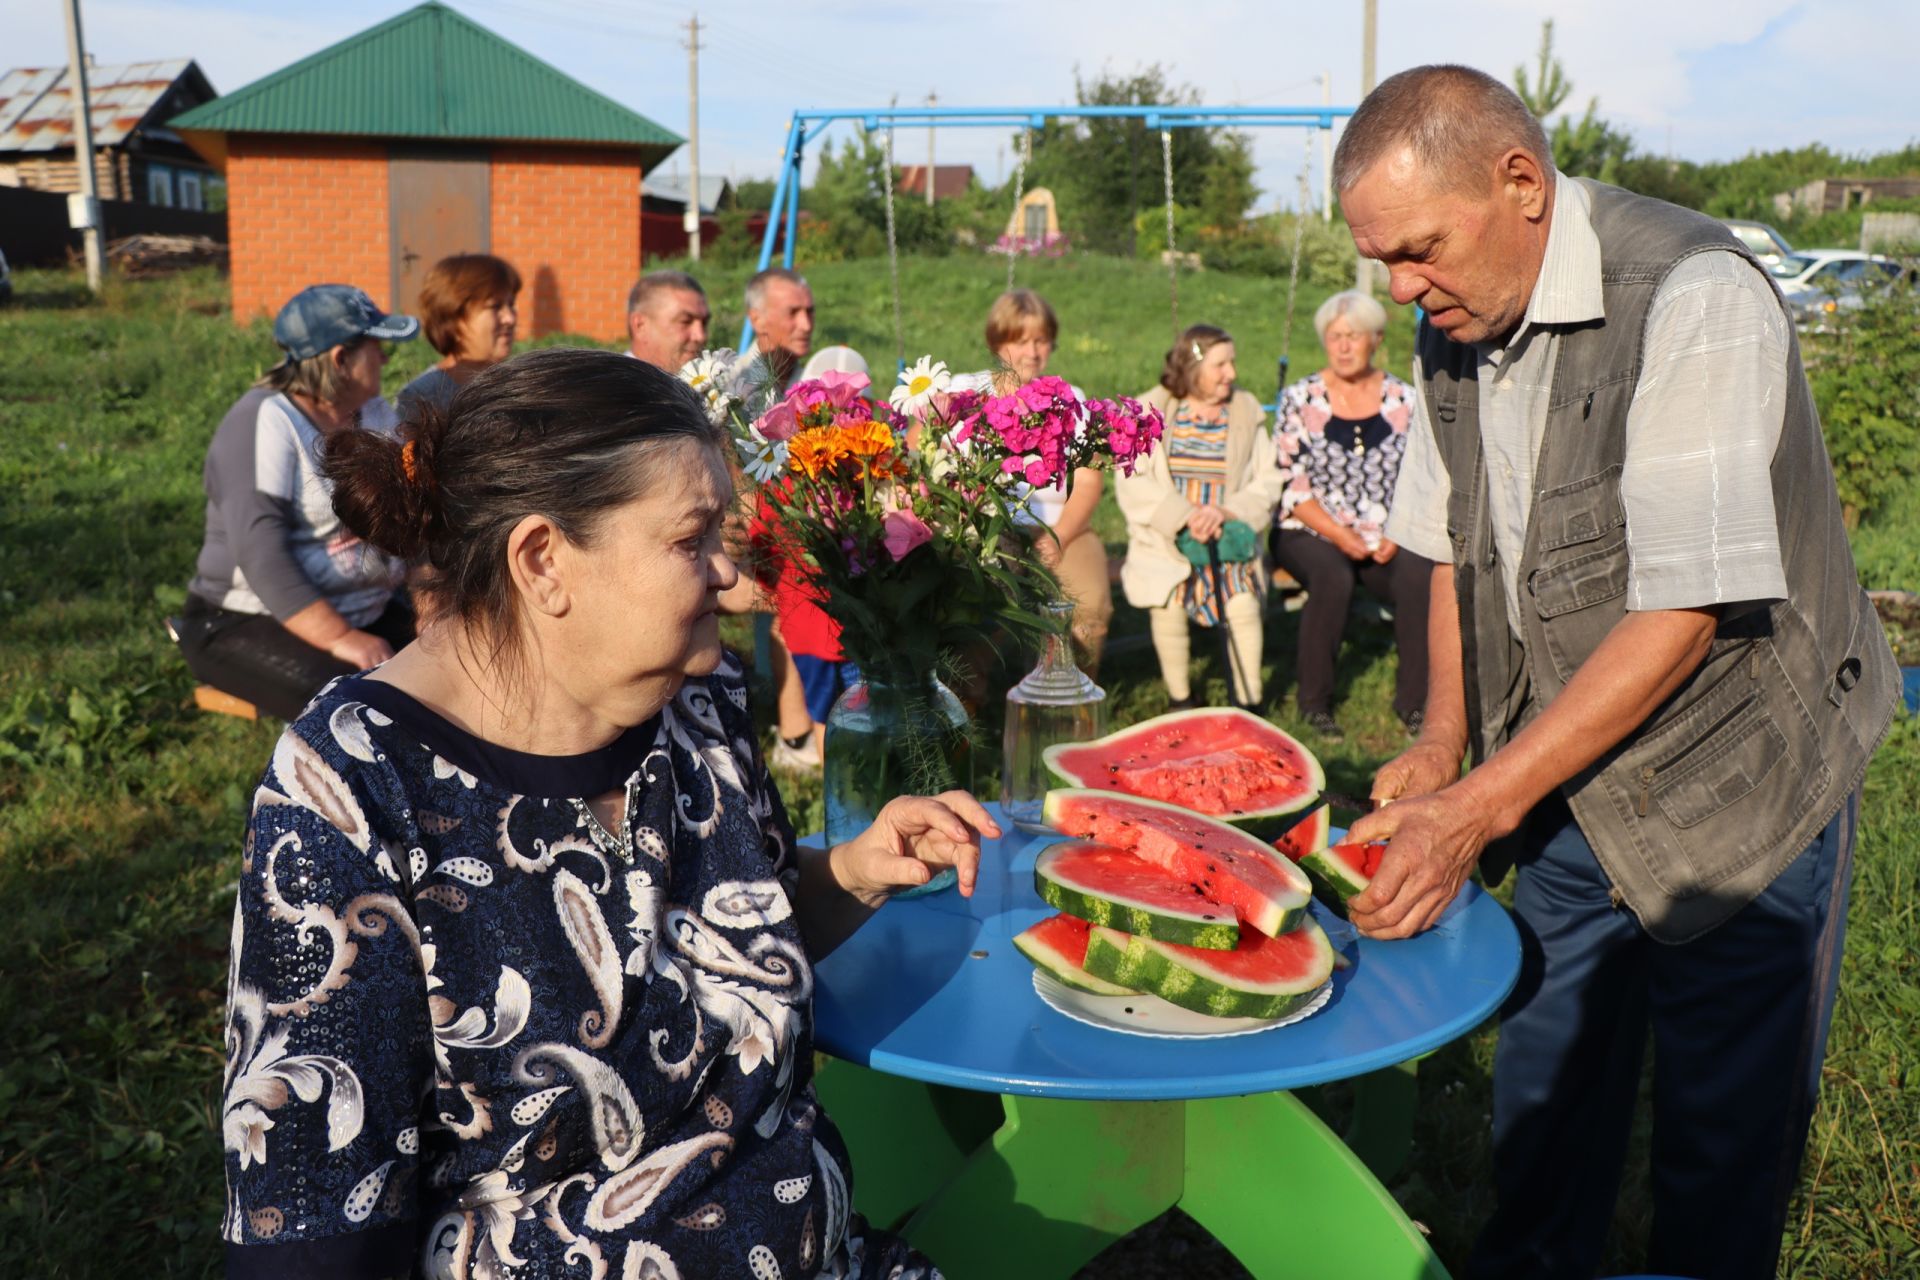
x=322 y=316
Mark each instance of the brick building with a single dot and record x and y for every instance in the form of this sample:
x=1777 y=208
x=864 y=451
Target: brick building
x=423 y=136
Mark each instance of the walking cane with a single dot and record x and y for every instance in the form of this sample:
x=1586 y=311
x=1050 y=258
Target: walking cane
x=1235 y=683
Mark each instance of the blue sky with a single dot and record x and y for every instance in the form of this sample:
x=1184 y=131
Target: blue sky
x=1711 y=78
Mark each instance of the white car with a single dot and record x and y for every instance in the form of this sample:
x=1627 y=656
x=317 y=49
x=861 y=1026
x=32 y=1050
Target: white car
x=1830 y=270
x=1765 y=243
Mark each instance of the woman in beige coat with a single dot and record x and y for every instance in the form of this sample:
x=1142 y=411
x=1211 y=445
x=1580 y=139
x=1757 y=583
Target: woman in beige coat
x=1213 y=479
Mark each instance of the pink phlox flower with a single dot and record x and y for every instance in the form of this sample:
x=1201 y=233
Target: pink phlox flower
x=1003 y=412
x=1039 y=474
x=956 y=404
x=904 y=532
x=778 y=422
x=964 y=432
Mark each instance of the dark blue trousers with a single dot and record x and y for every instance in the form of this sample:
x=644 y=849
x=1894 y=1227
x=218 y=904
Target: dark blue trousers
x=1739 y=1019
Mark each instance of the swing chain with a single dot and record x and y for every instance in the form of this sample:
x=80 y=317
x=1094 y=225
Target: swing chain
x=1173 y=260
x=893 y=254
x=1293 y=275
x=1019 y=193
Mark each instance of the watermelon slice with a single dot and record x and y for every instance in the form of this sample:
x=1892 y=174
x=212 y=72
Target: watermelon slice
x=1059 y=945
x=1220 y=761
x=1223 y=864
x=1261 y=978
x=1310 y=833
x=1341 y=871
x=1112 y=887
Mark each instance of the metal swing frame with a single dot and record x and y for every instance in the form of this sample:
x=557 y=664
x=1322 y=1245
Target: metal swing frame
x=806 y=125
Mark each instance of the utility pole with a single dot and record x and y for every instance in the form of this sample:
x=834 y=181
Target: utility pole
x=692 y=219
x=1365 y=275
x=933 y=100
x=1326 y=151
x=83 y=212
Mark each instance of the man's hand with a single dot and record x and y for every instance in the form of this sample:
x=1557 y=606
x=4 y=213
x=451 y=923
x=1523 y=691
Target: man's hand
x=1206 y=522
x=361 y=649
x=1433 y=842
x=1423 y=768
x=908 y=838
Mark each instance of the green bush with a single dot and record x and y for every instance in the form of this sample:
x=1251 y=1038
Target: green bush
x=1863 y=376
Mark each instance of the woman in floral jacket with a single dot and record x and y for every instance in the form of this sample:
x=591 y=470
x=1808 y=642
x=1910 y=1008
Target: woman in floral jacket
x=1342 y=434
x=521 y=978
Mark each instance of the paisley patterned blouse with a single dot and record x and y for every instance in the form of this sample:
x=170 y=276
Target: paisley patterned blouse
x=472 y=1033
x=1349 y=467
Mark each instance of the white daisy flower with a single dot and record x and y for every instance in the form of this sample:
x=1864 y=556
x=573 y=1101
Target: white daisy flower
x=918 y=385
x=761 y=458
x=707 y=374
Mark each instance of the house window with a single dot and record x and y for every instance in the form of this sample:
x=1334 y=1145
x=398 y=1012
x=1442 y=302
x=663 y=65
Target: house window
x=190 y=191
x=160 y=185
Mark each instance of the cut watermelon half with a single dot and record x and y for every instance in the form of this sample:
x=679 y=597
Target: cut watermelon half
x=1222 y=863
x=1221 y=761
x=1112 y=887
x=1261 y=978
x=1059 y=945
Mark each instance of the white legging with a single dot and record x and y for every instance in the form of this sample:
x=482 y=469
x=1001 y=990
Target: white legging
x=1169 y=627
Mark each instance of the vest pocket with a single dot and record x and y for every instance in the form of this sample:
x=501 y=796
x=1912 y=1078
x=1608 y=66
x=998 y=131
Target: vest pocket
x=1579 y=580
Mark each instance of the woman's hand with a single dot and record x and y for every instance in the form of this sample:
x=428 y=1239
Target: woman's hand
x=361 y=650
x=1350 y=543
x=1384 y=552
x=1206 y=522
x=908 y=838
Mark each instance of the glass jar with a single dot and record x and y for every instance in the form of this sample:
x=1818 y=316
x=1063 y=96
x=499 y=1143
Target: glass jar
x=1055 y=702
x=893 y=737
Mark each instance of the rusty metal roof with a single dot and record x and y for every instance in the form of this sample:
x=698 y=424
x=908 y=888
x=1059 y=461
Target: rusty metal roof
x=36 y=103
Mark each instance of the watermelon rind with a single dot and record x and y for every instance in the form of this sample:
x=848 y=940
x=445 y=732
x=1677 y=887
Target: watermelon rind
x=1232 y=867
x=1266 y=822
x=1064 y=879
x=1036 y=944
x=1186 y=977
x=1334 y=881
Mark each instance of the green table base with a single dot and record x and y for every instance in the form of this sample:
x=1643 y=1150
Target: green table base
x=1059 y=1180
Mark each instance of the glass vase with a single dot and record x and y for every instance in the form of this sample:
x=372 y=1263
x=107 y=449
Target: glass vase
x=890 y=737
x=1055 y=702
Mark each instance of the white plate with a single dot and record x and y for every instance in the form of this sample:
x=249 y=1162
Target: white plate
x=1147 y=1015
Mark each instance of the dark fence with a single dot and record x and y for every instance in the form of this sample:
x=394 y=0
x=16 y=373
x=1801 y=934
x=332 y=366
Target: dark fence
x=34 y=230
x=664 y=235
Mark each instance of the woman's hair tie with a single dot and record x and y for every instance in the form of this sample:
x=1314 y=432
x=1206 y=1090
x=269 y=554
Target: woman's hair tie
x=408 y=466
x=1197 y=354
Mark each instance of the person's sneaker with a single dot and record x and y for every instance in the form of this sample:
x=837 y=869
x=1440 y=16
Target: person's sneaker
x=1413 y=720
x=1325 y=725
x=791 y=759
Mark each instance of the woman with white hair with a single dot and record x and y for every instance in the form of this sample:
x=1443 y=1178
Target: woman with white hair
x=1341 y=436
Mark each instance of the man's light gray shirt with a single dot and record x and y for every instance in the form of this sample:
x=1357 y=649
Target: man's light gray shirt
x=1700 y=435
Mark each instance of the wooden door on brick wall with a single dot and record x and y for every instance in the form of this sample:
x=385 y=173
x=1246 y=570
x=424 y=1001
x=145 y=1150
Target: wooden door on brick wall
x=438 y=205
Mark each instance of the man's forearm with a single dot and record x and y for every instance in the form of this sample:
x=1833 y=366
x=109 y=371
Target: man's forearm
x=1445 y=719
x=1636 y=668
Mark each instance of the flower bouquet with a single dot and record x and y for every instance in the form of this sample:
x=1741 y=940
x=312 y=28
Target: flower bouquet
x=905 y=523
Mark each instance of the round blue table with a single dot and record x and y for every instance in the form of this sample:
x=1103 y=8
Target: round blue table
x=1097 y=1132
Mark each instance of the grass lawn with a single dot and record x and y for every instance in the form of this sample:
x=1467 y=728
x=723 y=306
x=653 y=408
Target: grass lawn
x=121 y=807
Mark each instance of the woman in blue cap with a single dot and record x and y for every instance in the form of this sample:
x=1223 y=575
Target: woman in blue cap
x=284 y=598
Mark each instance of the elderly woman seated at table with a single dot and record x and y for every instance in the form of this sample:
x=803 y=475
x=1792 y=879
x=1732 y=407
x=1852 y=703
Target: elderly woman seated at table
x=1342 y=434
x=521 y=971
x=469 y=309
x=1196 y=512
x=284 y=598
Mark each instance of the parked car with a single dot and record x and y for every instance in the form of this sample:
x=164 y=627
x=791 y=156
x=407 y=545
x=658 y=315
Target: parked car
x=1830 y=270
x=1817 y=310
x=1766 y=244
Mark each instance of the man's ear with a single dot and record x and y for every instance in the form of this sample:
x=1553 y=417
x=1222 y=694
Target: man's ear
x=1525 y=180
x=534 y=565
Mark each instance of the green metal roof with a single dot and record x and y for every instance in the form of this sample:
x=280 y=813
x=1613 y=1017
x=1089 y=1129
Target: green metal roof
x=428 y=73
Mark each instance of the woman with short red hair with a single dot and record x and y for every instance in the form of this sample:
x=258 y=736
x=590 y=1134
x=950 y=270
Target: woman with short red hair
x=468 y=310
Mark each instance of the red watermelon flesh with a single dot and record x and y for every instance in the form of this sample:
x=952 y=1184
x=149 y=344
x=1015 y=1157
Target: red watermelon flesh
x=1223 y=762
x=1342 y=871
x=1310 y=833
x=1114 y=888
x=1059 y=945
x=1221 y=863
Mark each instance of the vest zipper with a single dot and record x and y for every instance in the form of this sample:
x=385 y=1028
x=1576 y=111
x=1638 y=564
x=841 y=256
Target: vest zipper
x=1646 y=788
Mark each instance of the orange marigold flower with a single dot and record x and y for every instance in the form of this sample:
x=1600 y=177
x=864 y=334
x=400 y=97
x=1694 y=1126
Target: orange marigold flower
x=815 y=451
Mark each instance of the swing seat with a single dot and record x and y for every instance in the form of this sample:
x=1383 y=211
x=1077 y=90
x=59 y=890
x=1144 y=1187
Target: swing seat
x=210 y=699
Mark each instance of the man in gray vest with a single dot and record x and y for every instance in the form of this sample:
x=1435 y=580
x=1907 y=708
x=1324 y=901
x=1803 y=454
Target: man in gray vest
x=1647 y=630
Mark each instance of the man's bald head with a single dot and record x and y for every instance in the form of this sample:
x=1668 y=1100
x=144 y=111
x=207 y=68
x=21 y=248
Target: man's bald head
x=1453 y=122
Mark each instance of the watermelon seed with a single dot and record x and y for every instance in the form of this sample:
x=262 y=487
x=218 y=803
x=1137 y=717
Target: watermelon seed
x=978 y=955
